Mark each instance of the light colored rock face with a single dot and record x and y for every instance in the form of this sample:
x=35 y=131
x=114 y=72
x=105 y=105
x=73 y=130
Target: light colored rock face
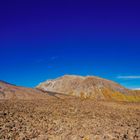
x=89 y=86
x=63 y=84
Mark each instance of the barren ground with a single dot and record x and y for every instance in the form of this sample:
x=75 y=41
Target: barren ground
x=68 y=118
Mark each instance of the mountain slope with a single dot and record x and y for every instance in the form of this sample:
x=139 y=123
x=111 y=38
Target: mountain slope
x=88 y=87
x=9 y=91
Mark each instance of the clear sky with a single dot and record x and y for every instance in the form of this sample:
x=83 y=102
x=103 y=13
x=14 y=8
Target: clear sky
x=42 y=40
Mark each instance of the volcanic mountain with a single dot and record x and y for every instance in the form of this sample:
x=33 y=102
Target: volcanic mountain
x=89 y=87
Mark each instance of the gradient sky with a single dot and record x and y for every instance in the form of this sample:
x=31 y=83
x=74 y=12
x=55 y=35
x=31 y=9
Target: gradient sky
x=42 y=40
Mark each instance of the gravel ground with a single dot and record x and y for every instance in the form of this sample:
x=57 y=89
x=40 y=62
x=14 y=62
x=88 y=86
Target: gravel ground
x=68 y=118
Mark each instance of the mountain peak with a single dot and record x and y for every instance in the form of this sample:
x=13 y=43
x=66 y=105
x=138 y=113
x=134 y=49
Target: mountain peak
x=84 y=86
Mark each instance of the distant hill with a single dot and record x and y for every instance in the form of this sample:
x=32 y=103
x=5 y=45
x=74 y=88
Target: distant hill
x=84 y=87
x=90 y=87
x=9 y=91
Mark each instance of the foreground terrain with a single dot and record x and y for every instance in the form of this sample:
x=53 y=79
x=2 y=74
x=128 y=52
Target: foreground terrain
x=61 y=117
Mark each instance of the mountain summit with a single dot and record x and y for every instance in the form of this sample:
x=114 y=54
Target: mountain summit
x=88 y=87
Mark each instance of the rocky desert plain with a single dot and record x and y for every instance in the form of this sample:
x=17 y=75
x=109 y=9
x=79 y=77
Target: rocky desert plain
x=69 y=108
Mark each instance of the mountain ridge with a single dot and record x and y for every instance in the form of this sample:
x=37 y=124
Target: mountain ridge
x=10 y=91
x=91 y=87
x=88 y=87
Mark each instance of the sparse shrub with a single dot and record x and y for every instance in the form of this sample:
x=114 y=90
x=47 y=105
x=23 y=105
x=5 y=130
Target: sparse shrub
x=71 y=93
x=82 y=95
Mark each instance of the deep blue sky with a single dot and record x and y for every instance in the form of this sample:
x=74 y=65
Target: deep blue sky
x=40 y=40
